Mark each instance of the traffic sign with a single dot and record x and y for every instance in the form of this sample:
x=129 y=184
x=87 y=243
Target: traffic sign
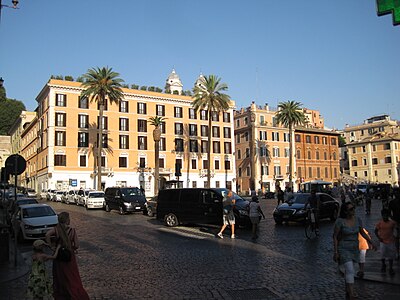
x=389 y=7
x=15 y=164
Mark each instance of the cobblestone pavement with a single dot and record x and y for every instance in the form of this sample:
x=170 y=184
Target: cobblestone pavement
x=137 y=257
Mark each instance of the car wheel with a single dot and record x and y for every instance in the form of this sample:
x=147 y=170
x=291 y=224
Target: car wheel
x=171 y=220
x=334 y=214
x=121 y=210
x=150 y=212
x=107 y=208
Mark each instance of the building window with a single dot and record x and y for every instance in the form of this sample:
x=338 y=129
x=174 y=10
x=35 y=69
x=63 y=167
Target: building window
x=308 y=139
x=216 y=164
x=161 y=162
x=298 y=156
x=373 y=147
x=142 y=126
x=324 y=140
x=163 y=144
x=263 y=135
x=215 y=116
x=83 y=102
x=334 y=155
x=60 y=138
x=353 y=150
x=192 y=129
x=275 y=152
x=239 y=154
x=105 y=105
x=204 y=130
x=326 y=172
x=247 y=152
x=203 y=115
x=216 y=147
x=179 y=128
x=104 y=140
x=247 y=171
x=194 y=184
x=163 y=127
x=318 y=172
x=388 y=160
x=123 y=124
x=124 y=142
x=204 y=146
x=193 y=146
x=227 y=165
x=309 y=154
x=123 y=106
x=82 y=161
x=83 y=139
x=333 y=141
x=60 y=160
x=104 y=123
x=61 y=119
x=179 y=145
x=160 y=110
x=215 y=131
x=61 y=100
x=275 y=136
x=316 y=139
x=365 y=173
x=237 y=123
x=317 y=155
x=194 y=164
x=237 y=138
x=246 y=136
x=142 y=108
x=325 y=156
x=83 y=121
x=287 y=150
x=227 y=148
x=123 y=162
x=226 y=117
x=277 y=170
x=297 y=138
x=364 y=149
x=142 y=142
x=374 y=161
x=310 y=172
x=227 y=132
x=386 y=146
x=192 y=114
x=142 y=162
x=205 y=164
x=178 y=112
x=354 y=163
x=240 y=172
x=217 y=184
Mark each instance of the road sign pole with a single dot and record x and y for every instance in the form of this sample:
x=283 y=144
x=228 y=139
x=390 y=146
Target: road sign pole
x=15 y=199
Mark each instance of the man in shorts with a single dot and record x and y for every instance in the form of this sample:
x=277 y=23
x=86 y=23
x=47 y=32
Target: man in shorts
x=228 y=216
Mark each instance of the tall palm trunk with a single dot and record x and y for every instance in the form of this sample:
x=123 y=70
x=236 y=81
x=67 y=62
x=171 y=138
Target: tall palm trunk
x=156 y=137
x=100 y=143
x=209 y=148
x=290 y=157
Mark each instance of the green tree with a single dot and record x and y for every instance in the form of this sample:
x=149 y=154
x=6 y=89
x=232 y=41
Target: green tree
x=100 y=86
x=209 y=95
x=10 y=110
x=157 y=123
x=290 y=115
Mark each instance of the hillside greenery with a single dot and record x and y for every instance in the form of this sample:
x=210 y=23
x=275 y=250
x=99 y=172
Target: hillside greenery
x=10 y=110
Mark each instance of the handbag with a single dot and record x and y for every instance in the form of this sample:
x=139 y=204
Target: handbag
x=64 y=254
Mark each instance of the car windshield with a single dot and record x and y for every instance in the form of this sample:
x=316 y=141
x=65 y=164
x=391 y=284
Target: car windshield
x=38 y=211
x=96 y=195
x=300 y=198
x=131 y=192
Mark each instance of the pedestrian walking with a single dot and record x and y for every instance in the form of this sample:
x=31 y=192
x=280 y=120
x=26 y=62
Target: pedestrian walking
x=394 y=208
x=363 y=247
x=345 y=244
x=255 y=213
x=228 y=216
x=280 y=195
x=67 y=282
x=342 y=195
x=39 y=283
x=384 y=230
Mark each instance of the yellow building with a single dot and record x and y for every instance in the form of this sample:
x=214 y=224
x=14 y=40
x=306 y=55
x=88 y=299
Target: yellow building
x=67 y=134
x=375 y=159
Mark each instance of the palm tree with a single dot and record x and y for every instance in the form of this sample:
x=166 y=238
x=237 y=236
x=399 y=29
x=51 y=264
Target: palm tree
x=208 y=95
x=156 y=122
x=290 y=115
x=101 y=85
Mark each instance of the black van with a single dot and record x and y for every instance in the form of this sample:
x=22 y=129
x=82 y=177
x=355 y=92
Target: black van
x=198 y=205
x=124 y=199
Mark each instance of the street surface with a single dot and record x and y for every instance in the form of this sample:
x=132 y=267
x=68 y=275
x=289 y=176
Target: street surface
x=137 y=257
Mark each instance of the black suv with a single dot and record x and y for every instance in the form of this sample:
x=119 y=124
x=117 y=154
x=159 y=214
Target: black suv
x=124 y=199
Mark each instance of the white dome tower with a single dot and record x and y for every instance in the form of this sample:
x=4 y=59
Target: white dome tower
x=173 y=83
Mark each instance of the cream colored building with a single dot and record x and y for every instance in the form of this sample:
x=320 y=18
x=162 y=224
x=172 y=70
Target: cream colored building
x=5 y=149
x=67 y=133
x=375 y=159
x=18 y=127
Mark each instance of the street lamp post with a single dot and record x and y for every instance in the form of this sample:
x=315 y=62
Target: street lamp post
x=14 y=6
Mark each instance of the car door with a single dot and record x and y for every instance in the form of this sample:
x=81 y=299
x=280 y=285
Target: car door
x=192 y=210
x=211 y=203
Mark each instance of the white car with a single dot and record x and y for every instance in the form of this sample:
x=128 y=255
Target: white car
x=32 y=221
x=82 y=196
x=72 y=197
x=58 y=196
x=95 y=199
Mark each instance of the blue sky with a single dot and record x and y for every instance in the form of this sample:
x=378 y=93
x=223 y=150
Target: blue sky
x=337 y=57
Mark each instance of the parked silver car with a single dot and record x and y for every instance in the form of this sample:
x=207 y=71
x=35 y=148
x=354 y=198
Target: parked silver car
x=72 y=197
x=58 y=196
x=32 y=221
x=95 y=199
x=82 y=196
